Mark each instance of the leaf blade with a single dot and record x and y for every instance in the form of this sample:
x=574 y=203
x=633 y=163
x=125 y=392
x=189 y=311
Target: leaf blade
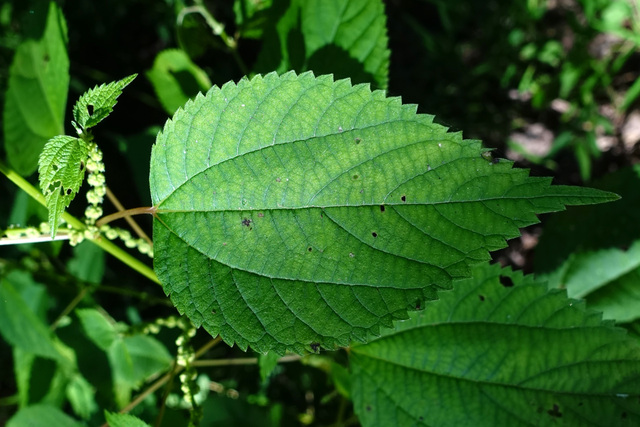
x=96 y=104
x=354 y=208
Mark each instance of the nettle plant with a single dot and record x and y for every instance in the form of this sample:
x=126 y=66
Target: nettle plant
x=296 y=215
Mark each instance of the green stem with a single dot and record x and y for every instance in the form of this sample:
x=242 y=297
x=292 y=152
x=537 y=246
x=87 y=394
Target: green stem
x=105 y=244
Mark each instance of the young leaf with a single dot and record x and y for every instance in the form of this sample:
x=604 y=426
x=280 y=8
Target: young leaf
x=296 y=212
x=61 y=169
x=176 y=79
x=36 y=95
x=97 y=103
x=500 y=349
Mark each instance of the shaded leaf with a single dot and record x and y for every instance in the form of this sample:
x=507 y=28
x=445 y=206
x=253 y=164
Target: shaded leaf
x=81 y=396
x=42 y=416
x=97 y=327
x=298 y=213
x=87 y=263
x=61 y=171
x=36 y=96
x=97 y=103
x=176 y=79
x=487 y=354
x=346 y=38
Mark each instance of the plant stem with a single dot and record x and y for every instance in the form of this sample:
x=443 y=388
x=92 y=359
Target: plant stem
x=69 y=307
x=132 y=222
x=105 y=244
x=124 y=214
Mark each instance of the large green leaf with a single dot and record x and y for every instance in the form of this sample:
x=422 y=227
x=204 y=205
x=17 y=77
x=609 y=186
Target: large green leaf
x=42 y=416
x=347 y=38
x=498 y=350
x=296 y=212
x=36 y=96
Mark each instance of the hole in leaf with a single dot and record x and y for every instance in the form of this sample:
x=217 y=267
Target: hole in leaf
x=481 y=297
x=403 y=198
x=381 y=208
x=555 y=412
x=310 y=249
x=374 y=234
x=54 y=167
x=357 y=141
x=315 y=347
x=351 y=254
x=69 y=191
x=81 y=166
x=90 y=109
x=506 y=281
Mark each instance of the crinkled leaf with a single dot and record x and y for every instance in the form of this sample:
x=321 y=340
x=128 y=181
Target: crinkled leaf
x=97 y=103
x=61 y=170
x=500 y=349
x=36 y=95
x=123 y=420
x=295 y=212
x=41 y=415
x=347 y=38
x=176 y=79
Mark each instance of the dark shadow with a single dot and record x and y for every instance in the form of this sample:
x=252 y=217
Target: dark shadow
x=332 y=59
x=187 y=82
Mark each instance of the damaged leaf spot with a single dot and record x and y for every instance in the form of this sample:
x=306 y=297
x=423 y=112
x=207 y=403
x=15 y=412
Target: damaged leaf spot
x=381 y=208
x=246 y=222
x=555 y=412
x=315 y=347
x=403 y=198
x=90 y=109
x=506 y=281
x=357 y=141
x=374 y=234
x=481 y=297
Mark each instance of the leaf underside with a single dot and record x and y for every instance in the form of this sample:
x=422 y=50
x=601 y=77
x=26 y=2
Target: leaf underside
x=295 y=212
x=475 y=355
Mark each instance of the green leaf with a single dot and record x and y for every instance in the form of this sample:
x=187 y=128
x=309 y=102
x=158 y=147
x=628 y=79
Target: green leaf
x=267 y=364
x=81 y=396
x=132 y=360
x=20 y=326
x=176 y=79
x=41 y=416
x=87 y=263
x=296 y=212
x=36 y=96
x=500 y=349
x=123 y=420
x=61 y=169
x=97 y=103
x=97 y=327
x=346 y=38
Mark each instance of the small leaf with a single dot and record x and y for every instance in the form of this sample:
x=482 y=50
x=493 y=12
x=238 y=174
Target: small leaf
x=81 y=396
x=176 y=79
x=97 y=103
x=36 y=95
x=298 y=213
x=61 y=173
x=123 y=420
x=267 y=364
x=97 y=327
x=486 y=354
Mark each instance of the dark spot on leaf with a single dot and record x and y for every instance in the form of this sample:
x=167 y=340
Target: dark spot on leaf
x=355 y=177
x=54 y=167
x=315 y=347
x=310 y=249
x=506 y=281
x=278 y=180
x=418 y=305
x=358 y=140
x=403 y=198
x=555 y=412
x=580 y=404
x=213 y=312
x=68 y=191
x=90 y=109
x=381 y=208
x=623 y=415
x=374 y=234
x=421 y=418
x=260 y=215
x=481 y=297
x=81 y=166
x=368 y=408
x=246 y=222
